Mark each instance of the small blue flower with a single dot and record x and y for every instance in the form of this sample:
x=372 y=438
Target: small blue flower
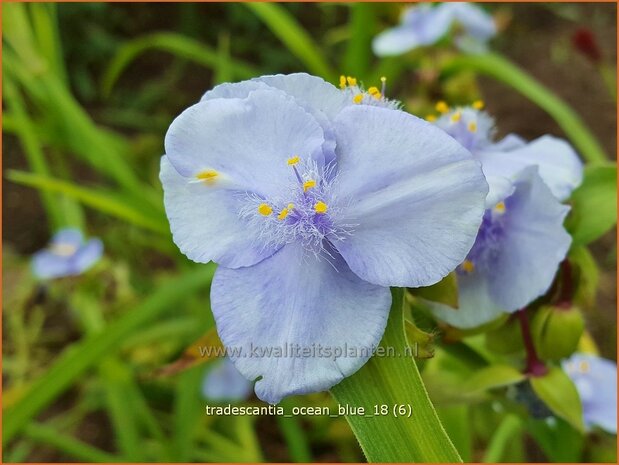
x=313 y=206
x=426 y=24
x=596 y=381
x=68 y=254
x=521 y=241
x=224 y=383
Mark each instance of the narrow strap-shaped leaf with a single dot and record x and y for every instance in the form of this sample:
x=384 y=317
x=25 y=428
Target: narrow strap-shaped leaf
x=401 y=435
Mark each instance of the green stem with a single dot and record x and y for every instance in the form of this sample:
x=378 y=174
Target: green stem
x=394 y=381
x=501 y=439
x=85 y=354
x=298 y=448
x=503 y=70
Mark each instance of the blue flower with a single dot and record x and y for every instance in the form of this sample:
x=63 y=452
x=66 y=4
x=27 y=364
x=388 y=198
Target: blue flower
x=596 y=381
x=521 y=241
x=425 y=25
x=68 y=254
x=313 y=206
x=224 y=383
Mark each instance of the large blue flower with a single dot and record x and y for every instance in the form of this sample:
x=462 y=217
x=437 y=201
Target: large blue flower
x=521 y=241
x=313 y=205
x=596 y=381
x=68 y=254
x=425 y=24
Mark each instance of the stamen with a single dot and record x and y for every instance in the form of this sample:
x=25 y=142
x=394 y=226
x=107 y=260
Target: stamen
x=307 y=185
x=265 y=209
x=208 y=176
x=283 y=214
x=442 y=107
x=500 y=207
x=383 y=79
x=342 y=82
x=583 y=366
x=468 y=266
x=63 y=249
x=377 y=95
x=472 y=126
x=456 y=117
x=321 y=207
x=431 y=118
x=293 y=160
x=352 y=82
x=373 y=90
x=357 y=98
x=478 y=104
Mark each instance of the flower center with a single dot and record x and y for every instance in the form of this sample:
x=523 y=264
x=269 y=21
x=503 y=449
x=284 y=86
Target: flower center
x=304 y=212
x=63 y=249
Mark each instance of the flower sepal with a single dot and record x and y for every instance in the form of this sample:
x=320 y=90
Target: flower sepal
x=556 y=331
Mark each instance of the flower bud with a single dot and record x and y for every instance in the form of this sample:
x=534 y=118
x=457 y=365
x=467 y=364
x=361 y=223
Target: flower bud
x=556 y=331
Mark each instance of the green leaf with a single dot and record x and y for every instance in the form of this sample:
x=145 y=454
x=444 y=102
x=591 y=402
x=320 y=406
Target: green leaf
x=81 y=356
x=508 y=430
x=98 y=199
x=492 y=377
x=594 y=205
x=291 y=33
x=178 y=45
x=358 y=50
x=559 y=394
x=394 y=381
x=503 y=70
x=444 y=292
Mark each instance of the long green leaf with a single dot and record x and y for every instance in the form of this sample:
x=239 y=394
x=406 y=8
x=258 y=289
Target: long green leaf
x=394 y=381
x=503 y=70
x=359 y=51
x=292 y=34
x=176 y=44
x=97 y=199
x=85 y=354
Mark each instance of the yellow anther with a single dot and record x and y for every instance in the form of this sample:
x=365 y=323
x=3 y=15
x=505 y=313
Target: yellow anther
x=377 y=95
x=500 y=207
x=265 y=209
x=442 y=107
x=373 y=90
x=478 y=104
x=307 y=185
x=63 y=250
x=583 y=366
x=293 y=160
x=283 y=214
x=342 y=81
x=383 y=79
x=208 y=176
x=351 y=81
x=456 y=117
x=468 y=266
x=431 y=118
x=320 y=207
x=472 y=127
x=357 y=98
x=290 y=206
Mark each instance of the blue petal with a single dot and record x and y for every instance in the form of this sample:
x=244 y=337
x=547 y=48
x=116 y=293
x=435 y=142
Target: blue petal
x=596 y=381
x=396 y=41
x=475 y=306
x=533 y=245
x=87 y=255
x=295 y=298
x=558 y=163
x=224 y=383
x=415 y=196
x=475 y=21
x=246 y=140
x=205 y=222
x=68 y=236
x=47 y=265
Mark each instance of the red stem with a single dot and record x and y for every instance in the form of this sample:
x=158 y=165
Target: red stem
x=535 y=367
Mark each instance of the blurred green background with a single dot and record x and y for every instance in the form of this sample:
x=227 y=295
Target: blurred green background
x=88 y=93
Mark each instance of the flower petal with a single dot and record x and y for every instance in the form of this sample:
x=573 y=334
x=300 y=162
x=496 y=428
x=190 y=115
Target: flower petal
x=46 y=265
x=534 y=243
x=396 y=41
x=224 y=383
x=476 y=22
x=205 y=222
x=558 y=163
x=415 y=196
x=68 y=236
x=296 y=299
x=475 y=306
x=87 y=255
x=246 y=140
